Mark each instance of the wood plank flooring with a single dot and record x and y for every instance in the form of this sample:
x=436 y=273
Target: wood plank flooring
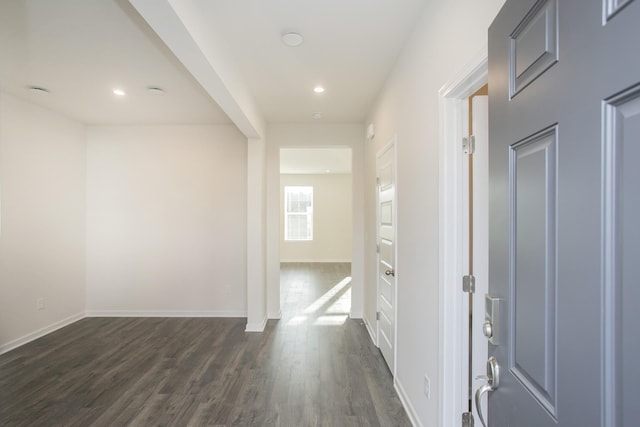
x=314 y=367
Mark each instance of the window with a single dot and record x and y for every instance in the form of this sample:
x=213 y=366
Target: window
x=298 y=213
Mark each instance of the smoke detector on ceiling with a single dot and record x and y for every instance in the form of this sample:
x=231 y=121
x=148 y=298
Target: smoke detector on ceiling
x=292 y=39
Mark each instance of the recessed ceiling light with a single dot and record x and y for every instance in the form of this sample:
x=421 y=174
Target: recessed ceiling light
x=318 y=89
x=292 y=39
x=155 y=90
x=317 y=115
x=119 y=92
x=38 y=90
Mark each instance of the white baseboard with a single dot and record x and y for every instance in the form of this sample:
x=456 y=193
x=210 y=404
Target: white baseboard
x=275 y=315
x=40 y=333
x=316 y=260
x=355 y=315
x=164 y=313
x=256 y=326
x=372 y=333
x=4 y=348
x=411 y=412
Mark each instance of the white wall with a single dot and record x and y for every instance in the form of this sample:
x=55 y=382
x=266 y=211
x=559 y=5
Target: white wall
x=314 y=136
x=332 y=214
x=447 y=36
x=166 y=220
x=42 y=237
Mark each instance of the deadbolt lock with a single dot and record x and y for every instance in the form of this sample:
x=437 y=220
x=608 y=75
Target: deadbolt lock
x=492 y=319
x=487 y=329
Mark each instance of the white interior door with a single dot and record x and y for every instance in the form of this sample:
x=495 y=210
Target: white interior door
x=386 y=254
x=564 y=112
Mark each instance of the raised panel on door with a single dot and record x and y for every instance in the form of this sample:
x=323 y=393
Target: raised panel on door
x=564 y=85
x=621 y=237
x=386 y=254
x=532 y=286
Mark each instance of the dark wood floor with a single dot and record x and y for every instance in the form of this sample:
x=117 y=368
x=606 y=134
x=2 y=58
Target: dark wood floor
x=314 y=367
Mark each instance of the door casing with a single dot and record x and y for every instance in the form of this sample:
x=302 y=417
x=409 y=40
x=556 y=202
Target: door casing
x=391 y=145
x=452 y=355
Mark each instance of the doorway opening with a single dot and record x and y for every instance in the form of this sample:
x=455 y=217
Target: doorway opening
x=386 y=256
x=475 y=245
x=454 y=303
x=315 y=235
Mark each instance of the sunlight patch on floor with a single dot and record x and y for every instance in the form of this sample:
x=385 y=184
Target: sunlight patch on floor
x=298 y=320
x=342 y=305
x=327 y=296
x=333 y=307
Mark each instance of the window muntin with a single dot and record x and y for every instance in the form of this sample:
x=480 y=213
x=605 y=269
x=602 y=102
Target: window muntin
x=298 y=213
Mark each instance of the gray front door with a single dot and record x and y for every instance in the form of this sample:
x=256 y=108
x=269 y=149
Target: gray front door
x=564 y=109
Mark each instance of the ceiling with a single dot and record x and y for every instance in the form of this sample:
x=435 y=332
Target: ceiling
x=349 y=48
x=81 y=50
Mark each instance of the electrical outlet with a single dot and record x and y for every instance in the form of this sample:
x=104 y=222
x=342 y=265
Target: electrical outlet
x=427 y=387
x=40 y=303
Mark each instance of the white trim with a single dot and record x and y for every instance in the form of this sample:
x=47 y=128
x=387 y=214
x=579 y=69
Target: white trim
x=406 y=402
x=11 y=345
x=356 y=315
x=372 y=333
x=274 y=213
x=275 y=314
x=392 y=144
x=256 y=326
x=40 y=333
x=316 y=260
x=164 y=313
x=470 y=79
x=480 y=349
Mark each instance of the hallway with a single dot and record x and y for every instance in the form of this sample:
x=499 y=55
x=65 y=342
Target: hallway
x=340 y=376
x=314 y=367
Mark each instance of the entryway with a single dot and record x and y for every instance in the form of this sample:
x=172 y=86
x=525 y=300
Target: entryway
x=315 y=230
x=463 y=240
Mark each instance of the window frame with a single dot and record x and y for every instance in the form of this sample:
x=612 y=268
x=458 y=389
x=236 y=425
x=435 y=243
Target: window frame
x=288 y=191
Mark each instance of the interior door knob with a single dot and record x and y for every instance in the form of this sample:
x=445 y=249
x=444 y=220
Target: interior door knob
x=390 y=273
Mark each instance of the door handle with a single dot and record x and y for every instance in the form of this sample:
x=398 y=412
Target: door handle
x=390 y=273
x=493 y=380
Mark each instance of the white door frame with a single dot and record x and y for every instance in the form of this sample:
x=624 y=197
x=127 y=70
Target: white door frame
x=453 y=98
x=394 y=147
x=291 y=139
